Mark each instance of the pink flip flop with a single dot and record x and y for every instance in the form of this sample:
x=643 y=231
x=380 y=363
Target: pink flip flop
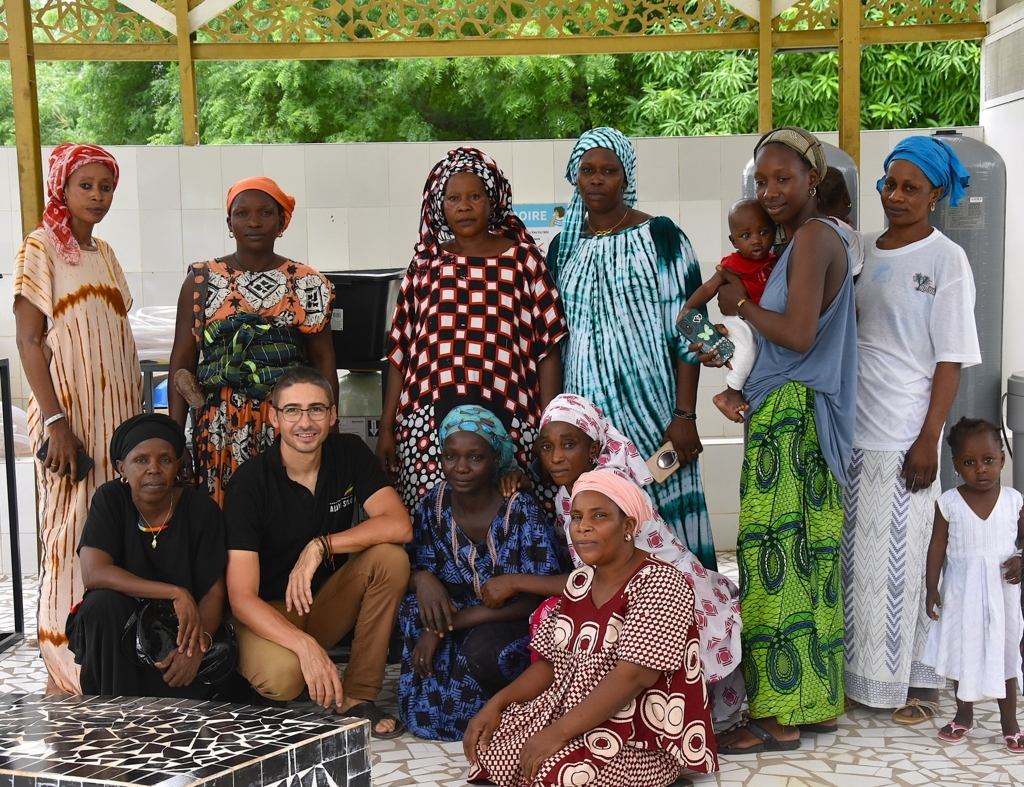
x=957 y=732
x=1015 y=743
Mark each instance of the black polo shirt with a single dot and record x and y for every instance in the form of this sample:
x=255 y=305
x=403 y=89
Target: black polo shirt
x=267 y=512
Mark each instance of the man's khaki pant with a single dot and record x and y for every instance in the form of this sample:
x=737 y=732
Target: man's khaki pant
x=364 y=593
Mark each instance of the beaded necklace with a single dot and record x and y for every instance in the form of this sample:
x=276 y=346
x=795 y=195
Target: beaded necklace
x=155 y=530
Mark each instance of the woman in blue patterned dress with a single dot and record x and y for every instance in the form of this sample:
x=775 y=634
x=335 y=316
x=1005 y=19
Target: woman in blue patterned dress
x=624 y=276
x=457 y=653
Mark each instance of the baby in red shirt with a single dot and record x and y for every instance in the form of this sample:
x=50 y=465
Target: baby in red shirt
x=752 y=232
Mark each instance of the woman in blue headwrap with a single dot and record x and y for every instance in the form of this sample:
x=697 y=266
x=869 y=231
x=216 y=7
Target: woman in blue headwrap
x=457 y=652
x=624 y=276
x=915 y=332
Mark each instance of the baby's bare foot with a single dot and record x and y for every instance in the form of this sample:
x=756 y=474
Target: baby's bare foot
x=188 y=386
x=731 y=403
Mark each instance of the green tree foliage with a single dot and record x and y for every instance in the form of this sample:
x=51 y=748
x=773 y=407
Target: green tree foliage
x=684 y=93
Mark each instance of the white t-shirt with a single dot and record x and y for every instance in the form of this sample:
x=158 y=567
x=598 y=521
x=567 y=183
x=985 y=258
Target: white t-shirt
x=916 y=310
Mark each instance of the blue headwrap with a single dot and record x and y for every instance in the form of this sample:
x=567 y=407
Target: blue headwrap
x=480 y=421
x=610 y=139
x=937 y=161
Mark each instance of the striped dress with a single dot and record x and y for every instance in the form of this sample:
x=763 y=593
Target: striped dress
x=622 y=293
x=95 y=372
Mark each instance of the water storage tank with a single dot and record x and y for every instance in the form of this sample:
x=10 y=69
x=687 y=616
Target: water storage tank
x=836 y=158
x=978 y=224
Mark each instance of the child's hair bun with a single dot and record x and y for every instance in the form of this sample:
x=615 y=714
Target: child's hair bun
x=968 y=426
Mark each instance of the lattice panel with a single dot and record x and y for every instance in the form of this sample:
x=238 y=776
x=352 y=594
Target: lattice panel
x=93 y=21
x=881 y=13
x=347 y=20
x=808 y=15
x=3 y=22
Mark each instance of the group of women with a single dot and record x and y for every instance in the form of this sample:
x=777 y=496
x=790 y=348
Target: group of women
x=525 y=388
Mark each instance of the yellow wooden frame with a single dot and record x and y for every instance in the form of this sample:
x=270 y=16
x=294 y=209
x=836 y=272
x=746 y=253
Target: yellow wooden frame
x=33 y=30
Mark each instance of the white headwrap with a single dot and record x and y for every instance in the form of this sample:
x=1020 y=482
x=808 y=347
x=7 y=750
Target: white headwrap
x=617 y=451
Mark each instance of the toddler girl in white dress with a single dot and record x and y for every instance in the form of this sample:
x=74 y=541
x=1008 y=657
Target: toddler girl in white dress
x=975 y=639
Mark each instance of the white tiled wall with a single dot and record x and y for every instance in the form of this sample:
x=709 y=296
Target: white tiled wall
x=358 y=208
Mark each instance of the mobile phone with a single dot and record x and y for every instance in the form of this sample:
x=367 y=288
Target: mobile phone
x=85 y=462
x=696 y=327
x=664 y=462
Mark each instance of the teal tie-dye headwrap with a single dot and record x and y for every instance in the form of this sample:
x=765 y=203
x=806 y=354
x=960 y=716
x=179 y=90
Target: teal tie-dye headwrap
x=480 y=421
x=575 y=217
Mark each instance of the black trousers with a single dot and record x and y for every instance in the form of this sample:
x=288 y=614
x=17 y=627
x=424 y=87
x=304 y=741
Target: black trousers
x=94 y=636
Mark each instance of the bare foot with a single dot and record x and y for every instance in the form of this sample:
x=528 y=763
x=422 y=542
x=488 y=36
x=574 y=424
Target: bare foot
x=188 y=386
x=731 y=404
x=383 y=727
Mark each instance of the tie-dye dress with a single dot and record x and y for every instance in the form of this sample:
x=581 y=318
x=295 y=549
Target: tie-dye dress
x=95 y=373
x=622 y=293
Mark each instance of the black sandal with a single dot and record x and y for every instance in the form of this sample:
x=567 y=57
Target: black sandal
x=768 y=742
x=369 y=711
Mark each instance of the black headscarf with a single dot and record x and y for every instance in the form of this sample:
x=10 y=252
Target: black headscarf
x=145 y=427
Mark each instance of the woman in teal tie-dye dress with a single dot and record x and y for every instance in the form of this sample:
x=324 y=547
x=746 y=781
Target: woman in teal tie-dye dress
x=624 y=277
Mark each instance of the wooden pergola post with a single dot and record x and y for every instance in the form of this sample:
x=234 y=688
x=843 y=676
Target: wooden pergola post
x=849 y=78
x=187 y=76
x=26 y=112
x=764 y=68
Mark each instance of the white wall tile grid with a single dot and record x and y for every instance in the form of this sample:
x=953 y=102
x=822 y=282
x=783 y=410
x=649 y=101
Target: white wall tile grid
x=358 y=208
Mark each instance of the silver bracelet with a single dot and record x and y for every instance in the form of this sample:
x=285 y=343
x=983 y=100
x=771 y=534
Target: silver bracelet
x=53 y=419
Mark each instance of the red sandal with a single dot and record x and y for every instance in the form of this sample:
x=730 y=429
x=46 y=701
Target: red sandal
x=1015 y=743
x=957 y=732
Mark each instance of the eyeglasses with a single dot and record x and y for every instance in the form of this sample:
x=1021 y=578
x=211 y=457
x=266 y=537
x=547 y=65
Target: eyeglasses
x=317 y=412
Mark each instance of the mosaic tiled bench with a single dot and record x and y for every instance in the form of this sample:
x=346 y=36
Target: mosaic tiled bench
x=87 y=741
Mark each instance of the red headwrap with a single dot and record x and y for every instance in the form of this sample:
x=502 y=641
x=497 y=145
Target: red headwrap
x=64 y=160
x=434 y=229
x=267 y=186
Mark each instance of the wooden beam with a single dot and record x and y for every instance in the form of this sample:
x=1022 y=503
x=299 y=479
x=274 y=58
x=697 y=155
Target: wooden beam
x=187 y=76
x=849 y=78
x=26 y=112
x=483 y=47
x=912 y=34
x=108 y=52
x=764 y=68
x=478 y=47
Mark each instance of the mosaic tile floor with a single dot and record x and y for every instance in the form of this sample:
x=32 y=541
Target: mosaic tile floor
x=867 y=751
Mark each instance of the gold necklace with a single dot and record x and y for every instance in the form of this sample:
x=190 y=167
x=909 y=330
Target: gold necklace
x=603 y=233
x=159 y=528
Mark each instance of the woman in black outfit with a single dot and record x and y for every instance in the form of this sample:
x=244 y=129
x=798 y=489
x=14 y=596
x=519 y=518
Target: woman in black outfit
x=146 y=539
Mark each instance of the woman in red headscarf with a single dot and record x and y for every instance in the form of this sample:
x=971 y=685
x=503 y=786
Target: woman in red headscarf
x=242 y=321
x=71 y=304
x=478 y=321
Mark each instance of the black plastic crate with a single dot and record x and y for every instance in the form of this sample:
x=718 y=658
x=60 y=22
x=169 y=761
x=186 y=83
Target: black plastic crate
x=364 y=305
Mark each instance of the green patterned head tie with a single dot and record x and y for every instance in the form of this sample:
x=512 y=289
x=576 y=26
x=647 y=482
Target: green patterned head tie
x=802 y=141
x=480 y=421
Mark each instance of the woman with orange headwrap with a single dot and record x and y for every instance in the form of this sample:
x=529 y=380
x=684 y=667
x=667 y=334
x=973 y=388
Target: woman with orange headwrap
x=71 y=304
x=248 y=317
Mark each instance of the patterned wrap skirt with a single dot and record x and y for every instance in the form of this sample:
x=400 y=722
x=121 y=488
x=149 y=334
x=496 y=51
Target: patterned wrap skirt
x=885 y=548
x=791 y=520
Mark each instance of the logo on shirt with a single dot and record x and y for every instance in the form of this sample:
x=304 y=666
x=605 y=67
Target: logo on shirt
x=924 y=284
x=345 y=502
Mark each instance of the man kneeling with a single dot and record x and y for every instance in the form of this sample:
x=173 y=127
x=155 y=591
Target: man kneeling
x=300 y=574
